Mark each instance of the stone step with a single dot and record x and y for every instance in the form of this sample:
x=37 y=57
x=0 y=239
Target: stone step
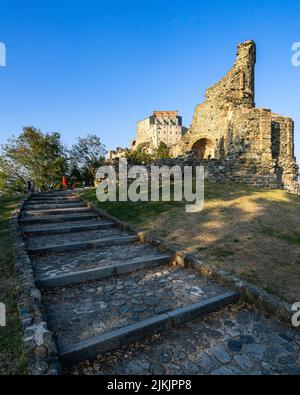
x=57 y=218
x=50 y=206
x=40 y=231
x=61 y=211
x=89 y=349
x=53 y=194
x=80 y=245
x=76 y=237
x=95 y=258
x=117 y=268
x=106 y=314
x=53 y=199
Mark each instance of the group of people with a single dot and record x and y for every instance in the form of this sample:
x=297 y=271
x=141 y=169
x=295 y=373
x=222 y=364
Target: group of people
x=65 y=183
x=49 y=187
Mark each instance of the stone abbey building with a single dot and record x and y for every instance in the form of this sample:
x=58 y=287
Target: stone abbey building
x=161 y=126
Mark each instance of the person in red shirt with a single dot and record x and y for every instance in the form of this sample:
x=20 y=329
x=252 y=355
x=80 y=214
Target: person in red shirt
x=64 y=183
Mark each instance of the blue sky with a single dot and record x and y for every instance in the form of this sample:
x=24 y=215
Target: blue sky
x=100 y=66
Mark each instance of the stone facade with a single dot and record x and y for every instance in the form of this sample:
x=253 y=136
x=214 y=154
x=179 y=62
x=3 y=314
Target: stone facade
x=227 y=126
x=162 y=126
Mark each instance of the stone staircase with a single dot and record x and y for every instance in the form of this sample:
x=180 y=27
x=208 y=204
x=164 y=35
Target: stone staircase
x=101 y=287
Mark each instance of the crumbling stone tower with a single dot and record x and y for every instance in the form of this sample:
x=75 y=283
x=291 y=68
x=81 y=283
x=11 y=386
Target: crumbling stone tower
x=257 y=143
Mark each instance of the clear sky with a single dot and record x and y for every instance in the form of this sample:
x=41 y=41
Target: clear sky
x=100 y=66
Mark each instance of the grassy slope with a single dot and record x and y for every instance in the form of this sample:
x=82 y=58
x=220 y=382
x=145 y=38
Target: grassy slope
x=253 y=233
x=12 y=354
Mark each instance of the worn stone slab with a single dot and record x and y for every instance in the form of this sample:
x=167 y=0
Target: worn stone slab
x=86 y=244
x=191 y=312
x=45 y=206
x=57 y=211
x=74 y=237
x=64 y=200
x=99 y=273
x=38 y=231
x=53 y=264
x=268 y=347
x=63 y=224
x=57 y=218
x=90 y=348
x=53 y=194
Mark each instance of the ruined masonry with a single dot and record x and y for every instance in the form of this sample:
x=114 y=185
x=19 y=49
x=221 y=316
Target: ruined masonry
x=256 y=143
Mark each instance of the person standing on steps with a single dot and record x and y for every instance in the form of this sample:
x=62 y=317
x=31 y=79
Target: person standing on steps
x=64 y=183
x=29 y=186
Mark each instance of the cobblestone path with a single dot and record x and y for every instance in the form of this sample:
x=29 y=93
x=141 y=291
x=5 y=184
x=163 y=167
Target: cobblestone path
x=117 y=306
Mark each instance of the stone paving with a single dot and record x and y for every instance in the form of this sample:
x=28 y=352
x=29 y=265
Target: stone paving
x=101 y=306
x=59 y=263
x=235 y=341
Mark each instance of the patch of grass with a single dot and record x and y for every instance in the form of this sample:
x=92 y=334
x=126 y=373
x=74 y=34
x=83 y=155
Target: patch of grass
x=12 y=352
x=221 y=253
x=293 y=238
x=133 y=212
x=199 y=249
x=249 y=274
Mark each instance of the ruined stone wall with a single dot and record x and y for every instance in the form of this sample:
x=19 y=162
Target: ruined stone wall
x=225 y=171
x=219 y=170
x=257 y=143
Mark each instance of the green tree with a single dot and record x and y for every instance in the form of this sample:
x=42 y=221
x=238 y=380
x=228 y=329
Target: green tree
x=34 y=155
x=12 y=177
x=86 y=157
x=139 y=156
x=162 y=151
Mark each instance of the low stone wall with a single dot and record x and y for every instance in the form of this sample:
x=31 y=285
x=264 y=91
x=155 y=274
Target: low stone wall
x=224 y=171
x=38 y=340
